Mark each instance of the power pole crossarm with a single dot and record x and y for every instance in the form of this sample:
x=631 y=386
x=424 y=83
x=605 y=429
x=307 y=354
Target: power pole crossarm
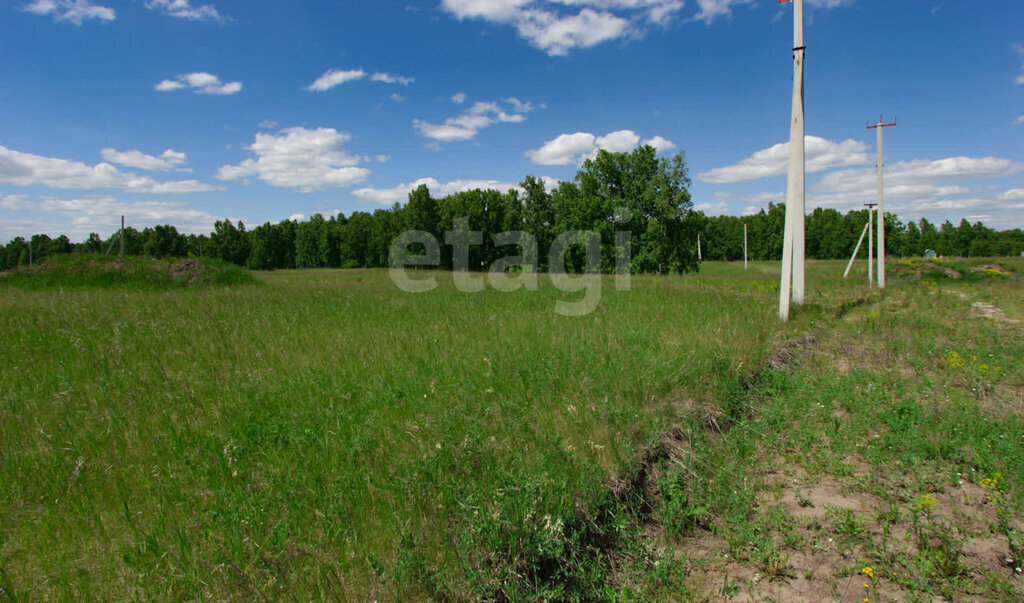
x=881 y=125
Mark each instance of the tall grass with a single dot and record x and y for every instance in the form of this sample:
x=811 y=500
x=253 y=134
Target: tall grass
x=328 y=434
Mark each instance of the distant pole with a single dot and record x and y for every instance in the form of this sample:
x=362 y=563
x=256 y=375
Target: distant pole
x=30 y=252
x=881 y=204
x=121 y=236
x=700 y=257
x=793 y=242
x=744 y=245
x=871 y=259
x=853 y=258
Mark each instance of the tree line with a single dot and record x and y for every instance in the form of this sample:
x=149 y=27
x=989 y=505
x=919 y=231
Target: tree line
x=612 y=194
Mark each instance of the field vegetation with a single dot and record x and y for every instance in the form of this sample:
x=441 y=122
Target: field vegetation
x=324 y=435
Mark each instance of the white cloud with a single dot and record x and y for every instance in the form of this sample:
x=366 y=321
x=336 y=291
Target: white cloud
x=660 y=144
x=459 y=98
x=1019 y=121
x=560 y=26
x=820 y=154
x=575 y=148
x=546 y=25
x=80 y=216
x=398 y=98
x=918 y=173
x=335 y=77
x=564 y=150
x=26 y=169
x=183 y=9
x=387 y=78
x=168 y=160
x=481 y=115
x=713 y=9
x=268 y=124
x=201 y=83
x=557 y=35
x=301 y=159
x=713 y=209
x=937 y=189
x=74 y=11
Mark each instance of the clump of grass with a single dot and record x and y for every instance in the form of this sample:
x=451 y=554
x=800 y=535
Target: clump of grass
x=93 y=271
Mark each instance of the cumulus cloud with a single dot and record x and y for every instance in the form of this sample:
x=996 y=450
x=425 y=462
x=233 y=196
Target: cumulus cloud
x=78 y=217
x=564 y=150
x=183 y=9
x=459 y=98
x=820 y=154
x=559 y=26
x=73 y=11
x=165 y=162
x=400 y=193
x=660 y=144
x=949 y=188
x=920 y=172
x=481 y=115
x=300 y=159
x=201 y=83
x=575 y=148
x=26 y=169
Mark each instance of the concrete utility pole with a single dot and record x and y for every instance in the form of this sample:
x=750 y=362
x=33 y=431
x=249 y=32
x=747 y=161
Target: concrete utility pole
x=121 y=236
x=700 y=257
x=871 y=259
x=793 y=245
x=856 y=250
x=881 y=204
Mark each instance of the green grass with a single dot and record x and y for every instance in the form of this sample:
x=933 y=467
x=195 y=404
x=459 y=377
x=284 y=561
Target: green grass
x=325 y=435
x=93 y=271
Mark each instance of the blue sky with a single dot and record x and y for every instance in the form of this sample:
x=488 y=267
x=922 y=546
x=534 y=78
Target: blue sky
x=188 y=111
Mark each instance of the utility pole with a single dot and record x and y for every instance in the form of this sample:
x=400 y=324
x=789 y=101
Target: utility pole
x=881 y=203
x=793 y=245
x=121 y=236
x=30 y=252
x=871 y=259
x=856 y=250
x=744 y=245
x=700 y=257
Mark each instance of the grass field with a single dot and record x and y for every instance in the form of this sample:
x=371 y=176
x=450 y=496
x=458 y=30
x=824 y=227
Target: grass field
x=321 y=434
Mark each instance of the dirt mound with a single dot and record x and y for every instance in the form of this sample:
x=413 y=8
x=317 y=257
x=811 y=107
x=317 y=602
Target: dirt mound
x=186 y=270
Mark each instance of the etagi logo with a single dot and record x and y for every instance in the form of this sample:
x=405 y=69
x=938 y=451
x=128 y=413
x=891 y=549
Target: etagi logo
x=514 y=272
